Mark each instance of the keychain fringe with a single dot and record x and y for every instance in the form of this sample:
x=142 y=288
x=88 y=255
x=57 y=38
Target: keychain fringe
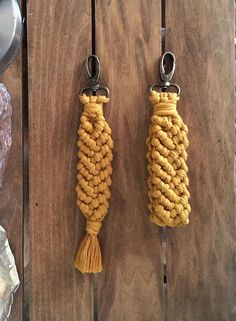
x=94 y=179
x=167 y=144
x=89 y=257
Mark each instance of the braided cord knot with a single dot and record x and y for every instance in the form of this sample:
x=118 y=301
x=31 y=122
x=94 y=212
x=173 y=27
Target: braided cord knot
x=94 y=178
x=167 y=144
x=93 y=228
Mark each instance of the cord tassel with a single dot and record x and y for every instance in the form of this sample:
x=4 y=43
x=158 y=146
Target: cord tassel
x=94 y=179
x=167 y=144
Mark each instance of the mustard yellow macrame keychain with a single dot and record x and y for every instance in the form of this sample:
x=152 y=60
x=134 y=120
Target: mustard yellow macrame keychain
x=167 y=144
x=94 y=170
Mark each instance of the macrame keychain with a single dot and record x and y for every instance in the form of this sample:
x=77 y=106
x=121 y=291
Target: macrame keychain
x=94 y=170
x=167 y=144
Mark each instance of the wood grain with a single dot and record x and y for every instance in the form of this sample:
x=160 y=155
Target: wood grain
x=11 y=195
x=128 y=44
x=201 y=257
x=59 y=39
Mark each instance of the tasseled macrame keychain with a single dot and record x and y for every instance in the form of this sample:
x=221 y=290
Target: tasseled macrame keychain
x=167 y=144
x=94 y=170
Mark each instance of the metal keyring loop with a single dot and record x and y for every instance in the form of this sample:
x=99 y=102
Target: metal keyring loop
x=92 y=90
x=171 y=85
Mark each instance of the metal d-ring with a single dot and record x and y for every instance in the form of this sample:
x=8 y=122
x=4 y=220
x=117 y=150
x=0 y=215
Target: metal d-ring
x=94 y=89
x=165 y=77
x=178 y=90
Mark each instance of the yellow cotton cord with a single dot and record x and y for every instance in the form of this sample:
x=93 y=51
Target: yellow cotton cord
x=94 y=179
x=167 y=144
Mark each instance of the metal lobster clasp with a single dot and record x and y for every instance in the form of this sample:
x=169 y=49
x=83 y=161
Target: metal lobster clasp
x=93 y=70
x=167 y=69
x=94 y=67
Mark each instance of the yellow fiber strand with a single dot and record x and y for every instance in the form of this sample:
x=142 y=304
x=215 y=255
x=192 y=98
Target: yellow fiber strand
x=167 y=144
x=94 y=179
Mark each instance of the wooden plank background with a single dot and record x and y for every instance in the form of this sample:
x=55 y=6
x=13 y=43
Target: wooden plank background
x=59 y=39
x=130 y=288
x=201 y=257
x=201 y=267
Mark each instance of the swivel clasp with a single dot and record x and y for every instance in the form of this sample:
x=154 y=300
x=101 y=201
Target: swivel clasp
x=93 y=70
x=167 y=69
